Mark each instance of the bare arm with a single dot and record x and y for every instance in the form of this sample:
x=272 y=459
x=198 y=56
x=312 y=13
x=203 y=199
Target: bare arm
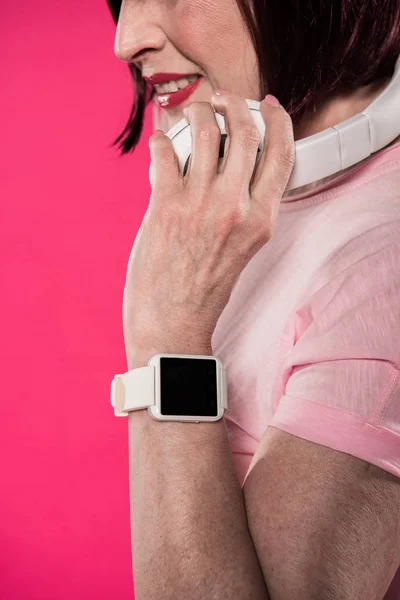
x=189 y=531
x=326 y=525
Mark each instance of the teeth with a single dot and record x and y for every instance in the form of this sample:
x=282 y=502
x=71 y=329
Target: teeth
x=174 y=86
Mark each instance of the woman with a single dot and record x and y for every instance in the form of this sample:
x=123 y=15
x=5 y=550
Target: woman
x=295 y=493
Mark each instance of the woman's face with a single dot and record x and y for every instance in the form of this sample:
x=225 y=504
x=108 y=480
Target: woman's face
x=205 y=37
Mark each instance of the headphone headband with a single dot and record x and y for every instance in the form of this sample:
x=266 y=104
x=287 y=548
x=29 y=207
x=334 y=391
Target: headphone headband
x=325 y=153
x=348 y=143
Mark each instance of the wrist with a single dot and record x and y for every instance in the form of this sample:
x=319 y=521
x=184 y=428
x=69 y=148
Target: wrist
x=139 y=357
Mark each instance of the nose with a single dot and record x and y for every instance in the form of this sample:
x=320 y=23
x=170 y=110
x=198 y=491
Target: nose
x=137 y=32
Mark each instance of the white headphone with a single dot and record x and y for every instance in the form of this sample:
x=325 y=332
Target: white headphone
x=322 y=154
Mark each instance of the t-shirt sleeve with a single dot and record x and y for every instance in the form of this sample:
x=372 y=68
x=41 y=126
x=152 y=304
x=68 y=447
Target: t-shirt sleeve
x=340 y=384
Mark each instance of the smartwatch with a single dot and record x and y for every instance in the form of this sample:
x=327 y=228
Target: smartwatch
x=173 y=387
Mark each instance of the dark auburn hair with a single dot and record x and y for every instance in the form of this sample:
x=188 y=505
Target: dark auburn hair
x=305 y=50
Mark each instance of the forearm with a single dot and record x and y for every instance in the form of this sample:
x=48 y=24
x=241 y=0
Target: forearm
x=189 y=531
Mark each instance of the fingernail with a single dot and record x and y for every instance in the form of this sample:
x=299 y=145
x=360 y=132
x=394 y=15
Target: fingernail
x=186 y=113
x=271 y=100
x=221 y=92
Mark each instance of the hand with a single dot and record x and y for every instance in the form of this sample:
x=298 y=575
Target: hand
x=200 y=231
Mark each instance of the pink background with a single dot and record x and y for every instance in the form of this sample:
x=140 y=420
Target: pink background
x=70 y=210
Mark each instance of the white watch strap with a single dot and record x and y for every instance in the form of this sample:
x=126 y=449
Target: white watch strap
x=133 y=390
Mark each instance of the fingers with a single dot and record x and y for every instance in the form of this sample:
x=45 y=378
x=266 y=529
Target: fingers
x=243 y=138
x=164 y=169
x=206 y=138
x=275 y=166
x=265 y=180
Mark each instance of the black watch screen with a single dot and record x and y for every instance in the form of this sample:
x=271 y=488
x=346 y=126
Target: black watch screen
x=188 y=386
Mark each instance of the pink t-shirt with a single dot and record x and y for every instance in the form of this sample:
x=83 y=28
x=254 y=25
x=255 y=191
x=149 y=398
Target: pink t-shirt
x=310 y=338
